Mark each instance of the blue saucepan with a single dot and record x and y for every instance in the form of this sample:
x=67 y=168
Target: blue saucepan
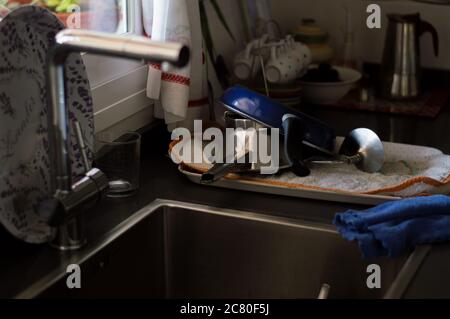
x=272 y=114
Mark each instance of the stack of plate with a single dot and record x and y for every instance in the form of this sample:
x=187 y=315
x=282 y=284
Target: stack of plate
x=288 y=94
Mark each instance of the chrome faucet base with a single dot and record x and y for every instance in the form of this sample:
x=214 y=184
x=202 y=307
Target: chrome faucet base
x=69 y=237
x=72 y=247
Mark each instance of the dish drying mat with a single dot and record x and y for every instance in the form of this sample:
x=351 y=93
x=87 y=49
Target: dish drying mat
x=408 y=171
x=428 y=105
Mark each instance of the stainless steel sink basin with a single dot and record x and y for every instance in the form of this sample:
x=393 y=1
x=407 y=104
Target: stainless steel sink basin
x=178 y=250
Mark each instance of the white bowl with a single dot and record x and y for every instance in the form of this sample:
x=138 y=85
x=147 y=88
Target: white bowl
x=330 y=92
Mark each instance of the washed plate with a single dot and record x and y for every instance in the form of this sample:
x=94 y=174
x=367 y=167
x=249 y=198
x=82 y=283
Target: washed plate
x=285 y=91
x=26 y=35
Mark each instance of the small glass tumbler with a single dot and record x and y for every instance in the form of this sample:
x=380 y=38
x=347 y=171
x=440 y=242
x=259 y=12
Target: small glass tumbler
x=119 y=158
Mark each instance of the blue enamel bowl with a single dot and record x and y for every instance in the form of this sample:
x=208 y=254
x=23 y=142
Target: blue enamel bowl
x=270 y=113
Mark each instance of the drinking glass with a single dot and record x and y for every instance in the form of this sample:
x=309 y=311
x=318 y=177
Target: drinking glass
x=119 y=159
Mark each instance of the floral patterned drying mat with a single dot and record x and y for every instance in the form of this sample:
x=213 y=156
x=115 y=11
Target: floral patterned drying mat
x=409 y=170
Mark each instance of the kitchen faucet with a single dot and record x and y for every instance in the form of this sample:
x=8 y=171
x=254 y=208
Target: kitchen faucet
x=63 y=212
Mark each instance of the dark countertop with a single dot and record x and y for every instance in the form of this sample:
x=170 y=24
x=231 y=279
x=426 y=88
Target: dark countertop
x=22 y=265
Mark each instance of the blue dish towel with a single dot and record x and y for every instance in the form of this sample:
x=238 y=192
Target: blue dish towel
x=394 y=228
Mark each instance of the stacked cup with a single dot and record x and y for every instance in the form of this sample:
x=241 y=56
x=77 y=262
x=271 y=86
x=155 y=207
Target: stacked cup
x=284 y=61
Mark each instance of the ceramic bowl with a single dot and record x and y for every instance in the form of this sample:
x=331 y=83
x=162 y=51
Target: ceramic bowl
x=330 y=92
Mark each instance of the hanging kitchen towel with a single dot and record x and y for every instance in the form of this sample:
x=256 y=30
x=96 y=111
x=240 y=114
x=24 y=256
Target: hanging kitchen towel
x=180 y=93
x=395 y=228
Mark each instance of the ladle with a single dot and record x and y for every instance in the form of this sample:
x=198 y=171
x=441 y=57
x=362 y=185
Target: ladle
x=362 y=147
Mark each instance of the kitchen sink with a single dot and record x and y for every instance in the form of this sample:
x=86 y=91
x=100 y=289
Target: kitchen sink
x=179 y=250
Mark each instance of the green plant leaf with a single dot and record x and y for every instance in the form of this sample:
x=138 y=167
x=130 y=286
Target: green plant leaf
x=222 y=18
x=207 y=37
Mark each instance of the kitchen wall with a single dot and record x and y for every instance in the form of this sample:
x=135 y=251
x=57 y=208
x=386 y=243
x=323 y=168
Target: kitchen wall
x=369 y=44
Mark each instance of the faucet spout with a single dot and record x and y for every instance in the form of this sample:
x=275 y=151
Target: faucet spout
x=65 y=208
x=126 y=46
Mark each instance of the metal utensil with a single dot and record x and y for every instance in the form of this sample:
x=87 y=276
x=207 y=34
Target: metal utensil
x=324 y=292
x=241 y=158
x=362 y=147
x=219 y=170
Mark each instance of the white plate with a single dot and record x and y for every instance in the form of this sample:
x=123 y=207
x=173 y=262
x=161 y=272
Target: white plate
x=25 y=37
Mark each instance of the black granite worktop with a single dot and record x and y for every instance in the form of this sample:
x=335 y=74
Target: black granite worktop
x=23 y=266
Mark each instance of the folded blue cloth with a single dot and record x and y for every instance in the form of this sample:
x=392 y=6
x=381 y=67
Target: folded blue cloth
x=394 y=228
